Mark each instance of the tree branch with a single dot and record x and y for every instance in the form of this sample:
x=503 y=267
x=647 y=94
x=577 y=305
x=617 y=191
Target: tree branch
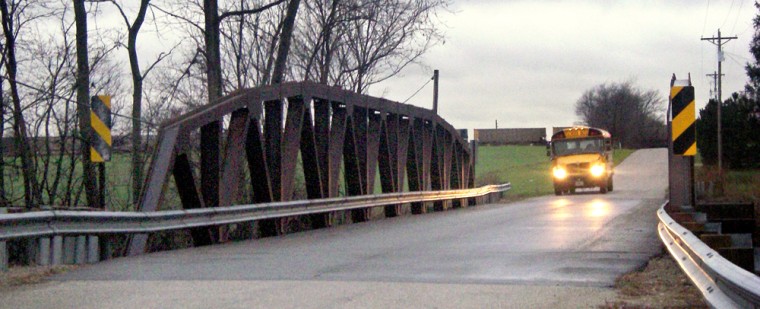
x=249 y=11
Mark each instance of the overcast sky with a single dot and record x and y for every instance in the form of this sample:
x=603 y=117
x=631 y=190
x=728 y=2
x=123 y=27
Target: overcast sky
x=526 y=63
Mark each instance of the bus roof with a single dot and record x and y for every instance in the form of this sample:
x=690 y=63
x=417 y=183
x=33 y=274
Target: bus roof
x=580 y=132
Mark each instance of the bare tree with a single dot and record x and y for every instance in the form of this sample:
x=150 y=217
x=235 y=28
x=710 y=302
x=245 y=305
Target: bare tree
x=83 y=102
x=138 y=76
x=633 y=116
x=288 y=26
x=10 y=28
x=323 y=26
x=355 y=44
x=248 y=47
x=384 y=36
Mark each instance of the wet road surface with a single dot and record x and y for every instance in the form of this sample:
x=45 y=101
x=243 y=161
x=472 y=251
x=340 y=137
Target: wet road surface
x=541 y=252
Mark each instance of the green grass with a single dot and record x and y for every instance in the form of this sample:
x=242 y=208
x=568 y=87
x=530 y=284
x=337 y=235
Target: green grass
x=118 y=181
x=732 y=185
x=525 y=167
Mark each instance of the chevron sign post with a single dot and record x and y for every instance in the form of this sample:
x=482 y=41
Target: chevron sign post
x=682 y=143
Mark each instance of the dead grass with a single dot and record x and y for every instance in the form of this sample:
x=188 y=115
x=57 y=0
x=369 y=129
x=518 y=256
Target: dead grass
x=22 y=275
x=660 y=284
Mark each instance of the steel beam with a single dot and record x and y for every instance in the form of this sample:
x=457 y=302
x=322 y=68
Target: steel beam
x=314 y=155
x=188 y=195
x=414 y=166
x=210 y=144
x=257 y=163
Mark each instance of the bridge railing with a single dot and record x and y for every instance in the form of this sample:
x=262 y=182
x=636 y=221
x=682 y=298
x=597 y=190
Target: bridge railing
x=723 y=284
x=71 y=237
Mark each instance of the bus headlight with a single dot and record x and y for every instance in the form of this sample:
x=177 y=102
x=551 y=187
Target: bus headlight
x=597 y=170
x=559 y=172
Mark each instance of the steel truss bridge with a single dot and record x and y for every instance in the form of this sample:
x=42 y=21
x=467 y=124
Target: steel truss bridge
x=261 y=134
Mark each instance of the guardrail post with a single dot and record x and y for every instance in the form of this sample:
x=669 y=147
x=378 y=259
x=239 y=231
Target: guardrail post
x=57 y=254
x=80 y=256
x=69 y=249
x=31 y=250
x=93 y=249
x=3 y=248
x=43 y=255
x=3 y=256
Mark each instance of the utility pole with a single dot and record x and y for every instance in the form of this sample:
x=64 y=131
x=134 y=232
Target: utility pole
x=719 y=41
x=435 y=92
x=714 y=91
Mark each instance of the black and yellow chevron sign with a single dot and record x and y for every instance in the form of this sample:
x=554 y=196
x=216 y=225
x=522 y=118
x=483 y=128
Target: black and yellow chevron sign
x=100 y=121
x=684 y=120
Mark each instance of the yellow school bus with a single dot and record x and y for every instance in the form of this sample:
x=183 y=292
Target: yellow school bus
x=581 y=158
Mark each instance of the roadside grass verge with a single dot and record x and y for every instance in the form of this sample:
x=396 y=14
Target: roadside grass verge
x=733 y=185
x=526 y=167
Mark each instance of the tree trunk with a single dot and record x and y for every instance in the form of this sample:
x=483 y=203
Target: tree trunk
x=285 y=38
x=83 y=104
x=327 y=45
x=137 y=80
x=3 y=198
x=31 y=189
x=213 y=58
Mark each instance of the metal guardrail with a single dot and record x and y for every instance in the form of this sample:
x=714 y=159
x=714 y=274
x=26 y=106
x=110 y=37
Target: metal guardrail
x=723 y=284
x=56 y=223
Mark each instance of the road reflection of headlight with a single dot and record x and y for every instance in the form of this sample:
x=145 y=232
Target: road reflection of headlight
x=559 y=173
x=599 y=208
x=597 y=170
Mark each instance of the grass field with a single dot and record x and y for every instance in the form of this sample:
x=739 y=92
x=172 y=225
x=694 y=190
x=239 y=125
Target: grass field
x=118 y=181
x=526 y=167
x=733 y=185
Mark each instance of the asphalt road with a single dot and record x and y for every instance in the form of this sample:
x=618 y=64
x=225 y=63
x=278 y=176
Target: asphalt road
x=543 y=252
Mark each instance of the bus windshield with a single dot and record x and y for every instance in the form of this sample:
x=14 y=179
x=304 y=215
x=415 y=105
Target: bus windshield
x=576 y=146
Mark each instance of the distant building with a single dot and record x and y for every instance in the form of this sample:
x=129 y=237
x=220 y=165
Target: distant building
x=510 y=136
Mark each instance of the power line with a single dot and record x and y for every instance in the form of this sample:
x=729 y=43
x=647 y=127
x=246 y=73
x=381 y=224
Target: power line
x=418 y=91
x=738 y=12
x=707 y=10
x=728 y=14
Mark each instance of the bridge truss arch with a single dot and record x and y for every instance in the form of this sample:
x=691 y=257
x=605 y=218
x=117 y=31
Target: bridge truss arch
x=260 y=134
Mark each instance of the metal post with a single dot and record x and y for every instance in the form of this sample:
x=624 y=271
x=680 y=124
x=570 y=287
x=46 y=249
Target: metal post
x=3 y=248
x=3 y=256
x=43 y=256
x=93 y=249
x=81 y=250
x=435 y=92
x=102 y=185
x=57 y=255
x=69 y=247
